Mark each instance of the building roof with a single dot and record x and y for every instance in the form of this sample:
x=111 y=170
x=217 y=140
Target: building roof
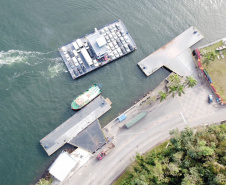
x=97 y=43
x=62 y=166
x=101 y=41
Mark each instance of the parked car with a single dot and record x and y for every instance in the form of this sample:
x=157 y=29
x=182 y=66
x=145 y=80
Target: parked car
x=95 y=63
x=210 y=98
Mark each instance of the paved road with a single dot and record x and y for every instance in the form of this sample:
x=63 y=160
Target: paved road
x=191 y=109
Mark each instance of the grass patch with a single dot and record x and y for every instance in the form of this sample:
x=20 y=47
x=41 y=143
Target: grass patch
x=216 y=68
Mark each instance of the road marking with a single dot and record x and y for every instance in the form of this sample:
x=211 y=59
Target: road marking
x=183 y=118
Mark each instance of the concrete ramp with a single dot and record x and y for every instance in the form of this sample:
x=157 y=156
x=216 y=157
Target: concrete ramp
x=175 y=55
x=90 y=139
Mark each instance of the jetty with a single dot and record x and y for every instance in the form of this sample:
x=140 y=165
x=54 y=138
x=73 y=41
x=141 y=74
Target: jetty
x=173 y=55
x=71 y=130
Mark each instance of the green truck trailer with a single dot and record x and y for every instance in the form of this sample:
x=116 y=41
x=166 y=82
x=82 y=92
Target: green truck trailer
x=136 y=119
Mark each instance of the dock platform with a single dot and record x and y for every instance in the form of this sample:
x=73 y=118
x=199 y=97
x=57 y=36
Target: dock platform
x=173 y=55
x=74 y=125
x=97 y=49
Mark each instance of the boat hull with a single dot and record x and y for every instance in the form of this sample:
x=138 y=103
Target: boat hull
x=85 y=98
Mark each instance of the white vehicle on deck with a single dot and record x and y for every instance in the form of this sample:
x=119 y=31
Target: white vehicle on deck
x=75 y=53
x=79 y=42
x=126 y=39
x=64 y=50
x=111 y=45
x=68 y=57
x=95 y=63
x=86 y=45
x=126 y=47
x=80 y=60
x=76 y=46
x=115 y=44
x=116 y=53
x=119 y=51
x=75 y=61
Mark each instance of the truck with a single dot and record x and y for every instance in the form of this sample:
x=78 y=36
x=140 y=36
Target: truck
x=86 y=56
x=76 y=46
x=108 y=147
x=79 y=42
x=136 y=119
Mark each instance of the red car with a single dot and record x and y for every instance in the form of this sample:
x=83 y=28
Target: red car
x=101 y=156
x=105 y=58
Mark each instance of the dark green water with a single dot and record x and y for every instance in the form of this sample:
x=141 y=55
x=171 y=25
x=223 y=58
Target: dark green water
x=35 y=88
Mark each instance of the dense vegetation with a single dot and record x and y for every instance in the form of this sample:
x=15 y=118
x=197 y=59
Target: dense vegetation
x=191 y=157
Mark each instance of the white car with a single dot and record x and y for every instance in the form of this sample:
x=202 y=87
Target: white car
x=114 y=36
x=75 y=61
x=68 y=57
x=126 y=47
x=80 y=60
x=122 y=33
x=122 y=40
x=64 y=50
x=114 y=28
x=126 y=38
x=112 y=56
x=111 y=45
x=110 y=36
x=95 y=63
x=118 y=34
x=119 y=51
x=116 y=53
x=86 y=45
x=115 y=44
x=75 y=53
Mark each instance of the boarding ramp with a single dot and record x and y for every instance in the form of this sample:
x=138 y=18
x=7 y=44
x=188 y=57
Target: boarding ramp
x=90 y=139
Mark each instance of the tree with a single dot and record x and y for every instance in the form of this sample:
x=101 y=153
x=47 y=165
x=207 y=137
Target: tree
x=172 y=89
x=162 y=95
x=210 y=56
x=44 y=182
x=192 y=158
x=190 y=81
x=180 y=89
x=174 y=78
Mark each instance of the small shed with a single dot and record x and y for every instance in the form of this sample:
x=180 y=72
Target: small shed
x=62 y=166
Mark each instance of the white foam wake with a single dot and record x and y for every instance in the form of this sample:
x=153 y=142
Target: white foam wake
x=17 y=56
x=48 y=65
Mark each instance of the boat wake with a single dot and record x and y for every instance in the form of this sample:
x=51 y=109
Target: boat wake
x=45 y=64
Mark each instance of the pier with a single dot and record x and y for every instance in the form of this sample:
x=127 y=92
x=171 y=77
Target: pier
x=67 y=131
x=173 y=55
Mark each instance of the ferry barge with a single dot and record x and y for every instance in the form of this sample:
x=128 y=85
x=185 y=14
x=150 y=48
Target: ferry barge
x=97 y=49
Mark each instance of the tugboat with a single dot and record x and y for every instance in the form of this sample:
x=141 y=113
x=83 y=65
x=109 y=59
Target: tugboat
x=83 y=99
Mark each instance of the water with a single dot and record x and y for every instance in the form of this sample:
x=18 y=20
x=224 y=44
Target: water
x=36 y=89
